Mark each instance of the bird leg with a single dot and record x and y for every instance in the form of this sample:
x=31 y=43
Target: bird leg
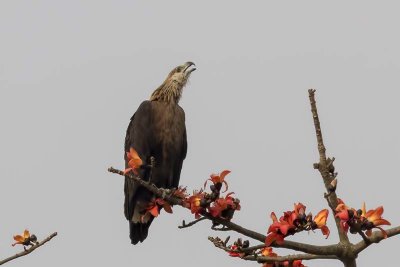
x=152 y=165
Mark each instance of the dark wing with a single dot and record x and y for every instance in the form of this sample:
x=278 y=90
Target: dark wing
x=137 y=136
x=179 y=162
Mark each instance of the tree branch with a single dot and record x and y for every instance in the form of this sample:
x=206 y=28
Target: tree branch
x=322 y=166
x=376 y=237
x=166 y=195
x=28 y=251
x=262 y=259
x=344 y=251
x=265 y=259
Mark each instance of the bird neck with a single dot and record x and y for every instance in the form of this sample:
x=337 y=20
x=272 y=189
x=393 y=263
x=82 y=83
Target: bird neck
x=169 y=91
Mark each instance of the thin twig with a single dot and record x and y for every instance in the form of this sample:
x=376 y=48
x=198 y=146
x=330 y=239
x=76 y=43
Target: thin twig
x=186 y=225
x=250 y=249
x=26 y=252
x=222 y=229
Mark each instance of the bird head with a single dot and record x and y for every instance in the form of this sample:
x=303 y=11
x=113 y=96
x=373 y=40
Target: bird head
x=171 y=89
x=181 y=73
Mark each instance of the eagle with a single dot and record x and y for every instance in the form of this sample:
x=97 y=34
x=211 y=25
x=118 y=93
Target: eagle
x=157 y=132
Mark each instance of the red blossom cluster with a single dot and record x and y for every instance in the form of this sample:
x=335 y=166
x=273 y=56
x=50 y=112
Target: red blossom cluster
x=217 y=206
x=200 y=201
x=237 y=246
x=295 y=221
x=154 y=207
x=268 y=252
x=236 y=250
x=360 y=220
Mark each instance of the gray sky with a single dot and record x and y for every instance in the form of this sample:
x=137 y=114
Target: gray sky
x=73 y=72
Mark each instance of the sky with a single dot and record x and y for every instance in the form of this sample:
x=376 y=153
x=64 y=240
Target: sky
x=72 y=73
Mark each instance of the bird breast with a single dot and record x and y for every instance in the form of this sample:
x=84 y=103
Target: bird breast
x=169 y=126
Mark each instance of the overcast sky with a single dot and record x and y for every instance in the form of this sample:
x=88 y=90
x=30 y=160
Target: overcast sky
x=73 y=72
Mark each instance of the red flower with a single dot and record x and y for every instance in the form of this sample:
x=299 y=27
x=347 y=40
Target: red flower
x=361 y=219
x=344 y=213
x=134 y=161
x=278 y=230
x=299 y=209
x=233 y=253
x=219 y=179
x=154 y=207
x=296 y=263
x=223 y=204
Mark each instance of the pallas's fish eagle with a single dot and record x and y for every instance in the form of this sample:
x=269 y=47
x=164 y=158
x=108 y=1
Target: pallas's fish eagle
x=157 y=129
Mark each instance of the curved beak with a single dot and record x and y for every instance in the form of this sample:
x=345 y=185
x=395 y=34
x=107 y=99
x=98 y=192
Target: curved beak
x=187 y=70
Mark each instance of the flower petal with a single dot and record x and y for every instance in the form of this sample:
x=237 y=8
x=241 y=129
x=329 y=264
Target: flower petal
x=26 y=234
x=19 y=238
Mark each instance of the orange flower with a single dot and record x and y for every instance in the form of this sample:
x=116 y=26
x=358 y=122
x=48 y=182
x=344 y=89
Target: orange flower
x=155 y=206
x=218 y=180
x=153 y=209
x=320 y=222
x=374 y=218
x=194 y=203
x=357 y=220
x=24 y=239
x=134 y=161
x=267 y=252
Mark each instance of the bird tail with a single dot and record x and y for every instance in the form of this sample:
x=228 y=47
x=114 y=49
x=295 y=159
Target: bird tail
x=138 y=231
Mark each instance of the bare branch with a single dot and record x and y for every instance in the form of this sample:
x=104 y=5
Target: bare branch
x=28 y=251
x=324 y=165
